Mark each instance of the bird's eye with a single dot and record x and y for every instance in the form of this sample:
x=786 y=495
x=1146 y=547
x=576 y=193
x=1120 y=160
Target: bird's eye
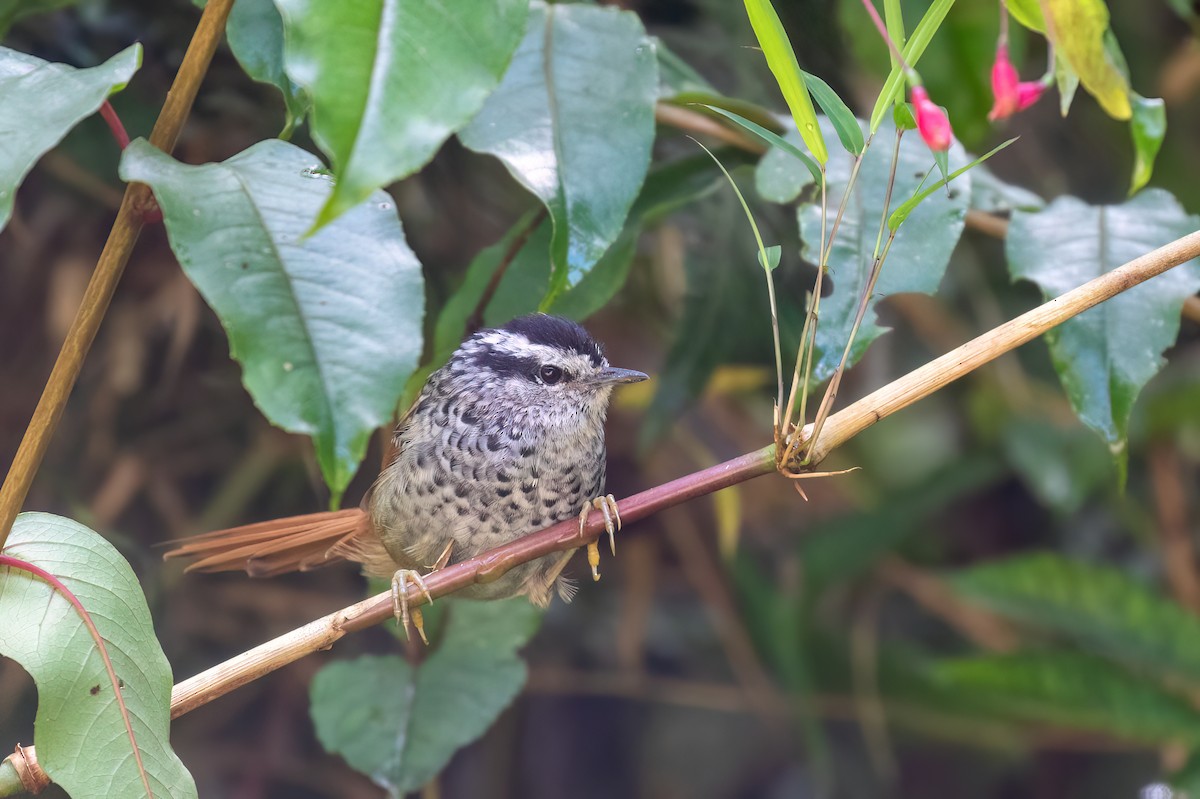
x=550 y=374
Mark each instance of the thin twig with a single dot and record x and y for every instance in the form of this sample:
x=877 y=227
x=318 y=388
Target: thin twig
x=840 y=428
x=112 y=262
x=475 y=320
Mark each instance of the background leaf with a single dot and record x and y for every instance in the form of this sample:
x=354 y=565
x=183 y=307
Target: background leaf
x=80 y=736
x=1074 y=691
x=573 y=121
x=1097 y=607
x=400 y=725
x=390 y=80
x=41 y=102
x=919 y=255
x=327 y=327
x=1079 y=29
x=1106 y=355
x=255 y=35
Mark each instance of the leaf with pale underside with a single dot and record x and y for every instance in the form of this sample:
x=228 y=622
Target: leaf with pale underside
x=327 y=327
x=1105 y=355
x=391 y=80
x=39 y=104
x=81 y=737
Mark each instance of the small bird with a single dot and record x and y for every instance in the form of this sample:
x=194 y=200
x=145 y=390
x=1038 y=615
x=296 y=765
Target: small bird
x=505 y=439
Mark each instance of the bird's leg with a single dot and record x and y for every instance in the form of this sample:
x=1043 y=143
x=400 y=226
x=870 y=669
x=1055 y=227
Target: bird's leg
x=400 y=583
x=612 y=522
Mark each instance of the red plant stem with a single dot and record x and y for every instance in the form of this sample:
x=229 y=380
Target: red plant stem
x=57 y=585
x=879 y=26
x=114 y=124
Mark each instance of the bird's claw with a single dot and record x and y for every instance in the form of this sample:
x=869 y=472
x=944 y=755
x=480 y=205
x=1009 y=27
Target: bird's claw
x=607 y=505
x=400 y=583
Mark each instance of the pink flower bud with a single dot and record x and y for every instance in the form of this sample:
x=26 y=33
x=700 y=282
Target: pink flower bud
x=932 y=122
x=1010 y=94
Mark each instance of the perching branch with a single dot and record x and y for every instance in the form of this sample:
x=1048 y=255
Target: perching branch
x=839 y=428
x=121 y=238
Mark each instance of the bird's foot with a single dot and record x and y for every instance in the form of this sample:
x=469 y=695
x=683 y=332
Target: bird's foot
x=612 y=522
x=400 y=582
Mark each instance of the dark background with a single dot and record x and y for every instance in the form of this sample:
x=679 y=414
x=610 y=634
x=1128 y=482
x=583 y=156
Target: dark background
x=661 y=680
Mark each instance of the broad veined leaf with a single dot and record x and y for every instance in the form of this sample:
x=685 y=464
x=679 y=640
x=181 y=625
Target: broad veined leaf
x=82 y=739
x=1071 y=690
x=918 y=257
x=39 y=104
x=255 y=34
x=1104 y=356
x=991 y=194
x=390 y=80
x=327 y=327
x=573 y=121
x=1097 y=607
x=400 y=725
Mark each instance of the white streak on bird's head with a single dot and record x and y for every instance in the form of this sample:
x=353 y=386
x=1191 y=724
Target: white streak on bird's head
x=540 y=365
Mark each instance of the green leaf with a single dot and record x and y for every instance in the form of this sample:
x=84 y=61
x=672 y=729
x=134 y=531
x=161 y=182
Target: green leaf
x=327 y=327
x=908 y=206
x=902 y=116
x=768 y=259
x=400 y=725
x=848 y=131
x=676 y=77
x=527 y=278
x=255 y=34
x=771 y=139
x=1062 y=466
x=41 y=102
x=390 y=80
x=573 y=121
x=1148 y=127
x=81 y=738
x=919 y=255
x=912 y=51
x=11 y=11
x=1105 y=355
x=994 y=196
x=773 y=40
x=1079 y=29
x=1096 y=607
x=1074 y=691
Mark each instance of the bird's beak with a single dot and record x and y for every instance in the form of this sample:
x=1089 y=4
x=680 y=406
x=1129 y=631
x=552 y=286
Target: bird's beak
x=614 y=375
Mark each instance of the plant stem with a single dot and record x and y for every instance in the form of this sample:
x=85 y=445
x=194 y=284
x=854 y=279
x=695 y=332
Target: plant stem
x=840 y=428
x=114 y=124
x=112 y=262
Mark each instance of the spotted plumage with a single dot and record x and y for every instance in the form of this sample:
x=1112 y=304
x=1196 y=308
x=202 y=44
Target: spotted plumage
x=506 y=438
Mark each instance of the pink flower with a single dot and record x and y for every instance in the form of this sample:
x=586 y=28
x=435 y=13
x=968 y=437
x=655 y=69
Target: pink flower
x=1010 y=94
x=932 y=122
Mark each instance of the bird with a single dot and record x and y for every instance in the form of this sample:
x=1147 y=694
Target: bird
x=504 y=439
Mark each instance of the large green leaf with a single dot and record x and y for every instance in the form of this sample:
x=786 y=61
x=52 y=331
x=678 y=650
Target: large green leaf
x=1097 y=607
x=327 y=327
x=390 y=80
x=1071 y=690
x=255 y=34
x=573 y=121
x=82 y=740
x=40 y=102
x=1105 y=356
x=918 y=257
x=400 y=725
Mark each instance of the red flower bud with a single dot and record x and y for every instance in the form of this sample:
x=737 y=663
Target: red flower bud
x=932 y=122
x=1010 y=94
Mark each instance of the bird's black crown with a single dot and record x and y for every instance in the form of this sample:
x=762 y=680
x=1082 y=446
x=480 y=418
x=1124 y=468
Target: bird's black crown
x=557 y=332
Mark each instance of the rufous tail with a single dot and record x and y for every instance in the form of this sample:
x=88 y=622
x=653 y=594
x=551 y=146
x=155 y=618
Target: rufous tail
x=297 y=543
